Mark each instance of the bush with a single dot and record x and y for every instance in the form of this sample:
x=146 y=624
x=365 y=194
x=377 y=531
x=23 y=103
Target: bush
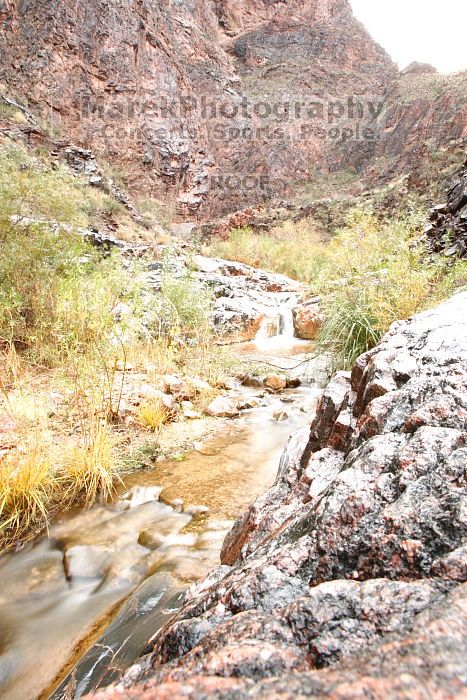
x=373 y=274
x=65 y=307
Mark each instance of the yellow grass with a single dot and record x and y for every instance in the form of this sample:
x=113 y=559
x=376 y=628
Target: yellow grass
x=90 y=470
x=152 y=415
x=27 y=486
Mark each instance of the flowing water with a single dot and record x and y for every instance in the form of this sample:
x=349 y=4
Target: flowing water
x=80 y=604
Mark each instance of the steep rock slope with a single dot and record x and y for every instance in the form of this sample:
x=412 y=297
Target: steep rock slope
x=347 y=577
x=212 y=105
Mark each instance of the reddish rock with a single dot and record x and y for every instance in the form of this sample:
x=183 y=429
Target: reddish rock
x=307 y=321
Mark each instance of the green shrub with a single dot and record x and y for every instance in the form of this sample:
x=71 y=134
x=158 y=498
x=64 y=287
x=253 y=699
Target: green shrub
x=374 y=273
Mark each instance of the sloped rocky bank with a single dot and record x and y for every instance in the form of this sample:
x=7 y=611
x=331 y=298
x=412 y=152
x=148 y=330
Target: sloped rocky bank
x=346 y=579
x=447 y=228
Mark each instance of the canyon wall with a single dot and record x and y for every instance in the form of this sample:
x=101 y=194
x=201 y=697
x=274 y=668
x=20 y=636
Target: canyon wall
x=211 y=105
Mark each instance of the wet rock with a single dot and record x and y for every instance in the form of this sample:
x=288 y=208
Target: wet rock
x=150 y=538
x=247 y=404
x=139 y=495
x=307 y=321
x=281 y=416
x=276 y=382
x=447 y=230
x=222 y=408
x=196 y=510
x=177 y=504
x=248 y=380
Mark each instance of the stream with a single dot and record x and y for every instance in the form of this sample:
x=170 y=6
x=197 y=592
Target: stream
x=79 y=606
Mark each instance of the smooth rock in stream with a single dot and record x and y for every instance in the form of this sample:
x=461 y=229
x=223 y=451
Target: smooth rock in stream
x=222 y=407
x=150 y=538
x=196 y=510
x=276 y=382
x=247 y=404
x=281 y=416
x=139 y=495
x=248 y=380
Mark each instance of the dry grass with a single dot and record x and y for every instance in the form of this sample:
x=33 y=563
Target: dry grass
x=293 y=248
x=27 y=490
x=44 y=478
x=152 y=415
x=89 y=471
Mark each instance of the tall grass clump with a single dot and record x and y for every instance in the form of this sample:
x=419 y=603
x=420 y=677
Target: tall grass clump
x=27 y=487
x=374 y=273
x=90 y=470
x=43 y=478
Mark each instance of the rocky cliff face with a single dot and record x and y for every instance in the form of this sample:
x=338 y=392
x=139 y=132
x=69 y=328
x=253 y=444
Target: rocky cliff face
x=213 y=105
x=346 y=579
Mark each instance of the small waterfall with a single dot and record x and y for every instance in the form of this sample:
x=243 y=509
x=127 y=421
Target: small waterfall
x=286 y=323
x=277 y=332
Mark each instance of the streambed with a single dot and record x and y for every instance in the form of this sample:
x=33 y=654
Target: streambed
x=78 y=607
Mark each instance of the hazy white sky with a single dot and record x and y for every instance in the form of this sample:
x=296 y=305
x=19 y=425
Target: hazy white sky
x=429 y=31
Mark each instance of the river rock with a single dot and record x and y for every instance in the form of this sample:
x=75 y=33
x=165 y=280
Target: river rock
x=347 y=578
x=222 y=407
x=177 y=387
x=276 y=382
x=150 y=538
x=307 y=321
x=139 y=495
x=196 y=510
x=177 y=504
x=247 y=404
x=248 y=380
x=281 y=416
